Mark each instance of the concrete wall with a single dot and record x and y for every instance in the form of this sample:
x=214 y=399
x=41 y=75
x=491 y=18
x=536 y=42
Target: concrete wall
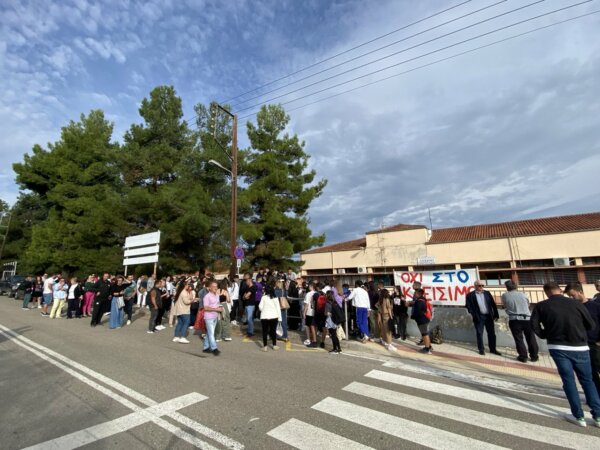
x=457 y=325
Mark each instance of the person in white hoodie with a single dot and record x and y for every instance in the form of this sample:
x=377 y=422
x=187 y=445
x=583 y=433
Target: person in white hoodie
x=270 y=315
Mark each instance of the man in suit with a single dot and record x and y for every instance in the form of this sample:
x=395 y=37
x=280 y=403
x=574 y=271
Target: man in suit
x=480 y=304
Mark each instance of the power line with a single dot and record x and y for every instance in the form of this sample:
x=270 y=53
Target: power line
x=391 y=54
x=418 y=57
x=456 y=55
x=347 y=51
x=381 y=48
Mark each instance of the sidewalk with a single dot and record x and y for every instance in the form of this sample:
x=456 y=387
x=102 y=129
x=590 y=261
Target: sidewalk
x=460 y=352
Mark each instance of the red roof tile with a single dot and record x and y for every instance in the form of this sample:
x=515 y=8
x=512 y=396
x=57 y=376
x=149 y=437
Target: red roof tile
x=399 y=227
x=531 y=227
x=356 y=244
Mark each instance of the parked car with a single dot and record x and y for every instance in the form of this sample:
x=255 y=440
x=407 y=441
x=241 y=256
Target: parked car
x=5 y=287
x=15 y=284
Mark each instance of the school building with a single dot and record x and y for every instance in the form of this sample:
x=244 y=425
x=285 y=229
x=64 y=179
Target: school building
x=531 y=252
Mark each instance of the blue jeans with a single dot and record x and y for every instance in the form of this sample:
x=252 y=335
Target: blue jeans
x=568 y=362
x=362 y=321
x=116 y=314
x=183 y=322
x=209 y=339
x=250 y=319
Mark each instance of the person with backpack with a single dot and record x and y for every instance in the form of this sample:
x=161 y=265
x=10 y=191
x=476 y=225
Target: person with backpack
x=386 y=319
x=320 y=317
x=334 y=317
x=422 y=312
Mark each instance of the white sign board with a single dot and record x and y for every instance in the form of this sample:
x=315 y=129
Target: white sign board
x=141 y=251
x=443 y=287
x=239 y=263
x=425 y=260
x=140 y=260
x=142 y=240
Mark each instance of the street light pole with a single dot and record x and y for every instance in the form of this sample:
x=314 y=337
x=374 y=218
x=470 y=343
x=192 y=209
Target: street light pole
x=233 y=172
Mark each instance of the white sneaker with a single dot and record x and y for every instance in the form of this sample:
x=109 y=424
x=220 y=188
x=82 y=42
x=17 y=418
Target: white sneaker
x=183 y=341
x=190 y=328
x=307 y=342
x=575 y=420
x=176 y=339
x=234 y=323
x=129 y=322
x=150 y=332
x=160 y=327
x=218 y=340
x=227 y=339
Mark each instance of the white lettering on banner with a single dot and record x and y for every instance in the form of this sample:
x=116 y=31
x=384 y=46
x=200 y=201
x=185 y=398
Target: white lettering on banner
x=443 y=287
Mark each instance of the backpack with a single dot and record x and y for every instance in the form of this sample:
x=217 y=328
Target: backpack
x=436 y=335
x=337 y=314
x=428 y=310
x=321 y=302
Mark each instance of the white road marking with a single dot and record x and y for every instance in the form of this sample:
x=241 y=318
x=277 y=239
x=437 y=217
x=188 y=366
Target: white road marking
x=468 y=394
x=116 y=426
x=477 y=380
x=473 y=417
x=304 y=436
x=199 y=428
x=401 y=428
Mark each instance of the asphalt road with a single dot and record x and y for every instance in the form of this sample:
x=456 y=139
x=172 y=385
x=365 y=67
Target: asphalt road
x=66 y=385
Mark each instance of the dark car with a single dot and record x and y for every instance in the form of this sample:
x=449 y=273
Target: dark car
x=15 y=284
x=5 y=287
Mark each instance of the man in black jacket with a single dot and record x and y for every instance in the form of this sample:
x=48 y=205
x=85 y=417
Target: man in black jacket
x=101 y=300
x=564 y=323
x=482 y=307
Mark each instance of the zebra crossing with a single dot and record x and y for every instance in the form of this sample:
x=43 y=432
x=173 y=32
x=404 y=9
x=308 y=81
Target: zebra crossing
x=460 y=417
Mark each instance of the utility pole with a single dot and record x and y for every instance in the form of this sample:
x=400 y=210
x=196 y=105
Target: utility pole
x=233 y=157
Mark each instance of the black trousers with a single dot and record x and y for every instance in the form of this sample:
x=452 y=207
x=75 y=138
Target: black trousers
x=235 y=306
x=269 y=327
x=166 y=306
x=74 y=307
x=520 y=329
x=400 y=321
x=487 y=321
x=153 y=316
x=100 y=307
x=334 y=339
x=595 y=358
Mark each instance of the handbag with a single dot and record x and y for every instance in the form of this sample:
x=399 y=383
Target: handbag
x=283 y=303
x=279 y=330
x=199 y=324
x=341 y=334
x=120 y=302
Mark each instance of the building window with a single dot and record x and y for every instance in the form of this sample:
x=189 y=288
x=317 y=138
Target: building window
x=592 y=275
x=536 y=263
x=591 y=260
x=487 y=266
x=495 y=278
x=539 y=277
x=434 y=268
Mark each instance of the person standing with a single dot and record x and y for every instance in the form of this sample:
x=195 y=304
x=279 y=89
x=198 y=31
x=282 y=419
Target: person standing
x=129 y=297
x=47 y=295
x=101 y=299
x=155 y=304
x=116 y=304
x=360 y=300
x=27 y=287
x=597 y=294
x=234 y=294
x=575 y=291
x=88 y=296
x=74 y=299
x=38 y=289
x=334 y=317
x=386 y=319
x=142 y=291
x=270 y=315
x=564 y=323
x=422 y=316
x=184 y=297
x=480 y=304
x=373 y=313
x=400 y=310
x=59 y=299
x=309 y=316
x=249 y=304
x=223 y=330
x=517 y=309
x=212 y=308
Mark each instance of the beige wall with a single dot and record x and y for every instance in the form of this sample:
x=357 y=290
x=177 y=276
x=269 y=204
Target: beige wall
x=402 y=248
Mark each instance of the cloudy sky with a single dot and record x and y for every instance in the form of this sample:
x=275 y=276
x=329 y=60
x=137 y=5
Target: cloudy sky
x=505 y=132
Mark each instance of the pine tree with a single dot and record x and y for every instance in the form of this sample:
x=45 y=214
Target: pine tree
x=78 y=181
x=278 y=193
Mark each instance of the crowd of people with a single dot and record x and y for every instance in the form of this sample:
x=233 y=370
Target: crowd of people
x=568 y=320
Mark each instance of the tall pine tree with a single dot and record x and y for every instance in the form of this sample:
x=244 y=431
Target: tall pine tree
x=278 y=193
